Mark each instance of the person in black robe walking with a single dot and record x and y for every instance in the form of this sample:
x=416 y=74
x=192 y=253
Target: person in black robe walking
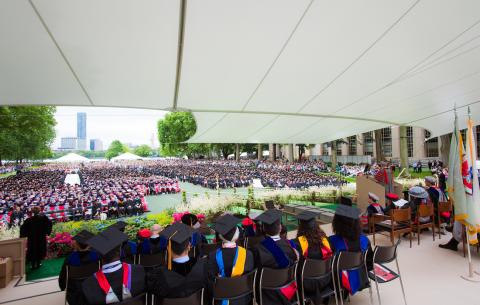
x=36 y=229
x=81 y=256
x=274 y=252
x=183 y=275
x=230 y=260
x=116 y=281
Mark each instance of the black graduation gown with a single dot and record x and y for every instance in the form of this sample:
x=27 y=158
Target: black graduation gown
x=94 y=295
x=313 y=288
x=182 y=281
x=263 y=258
x=36 y=229
x=74 y=291
x=228 y=255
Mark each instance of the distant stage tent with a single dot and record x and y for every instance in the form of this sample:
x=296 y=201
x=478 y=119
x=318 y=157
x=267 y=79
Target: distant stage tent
x=71 y=157
x=126 y=156
x=250 y=71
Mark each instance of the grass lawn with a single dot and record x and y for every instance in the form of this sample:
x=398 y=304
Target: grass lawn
x=423 y=174
x=7 y=175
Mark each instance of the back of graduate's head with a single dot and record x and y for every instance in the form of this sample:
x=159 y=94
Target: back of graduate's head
x=273 y=228
x=346 y=227
x=180 y=249
x=111 y=256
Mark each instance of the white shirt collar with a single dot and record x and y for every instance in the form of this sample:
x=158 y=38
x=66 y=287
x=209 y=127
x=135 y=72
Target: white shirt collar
x=112 y=267
x=181 y=259
x=275 y=237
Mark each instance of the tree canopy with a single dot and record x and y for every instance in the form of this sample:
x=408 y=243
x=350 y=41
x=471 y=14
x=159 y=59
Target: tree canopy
x=116 y=148
x=143 y=151
x=175 y=128
x=26 y=132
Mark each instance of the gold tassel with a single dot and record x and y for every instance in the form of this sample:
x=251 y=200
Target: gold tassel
x=169 y=252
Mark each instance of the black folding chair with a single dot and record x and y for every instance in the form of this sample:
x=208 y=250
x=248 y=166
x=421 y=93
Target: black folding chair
x=276 y=279
x=80 y=273
x=316 y=269
x=348 y=261
x=193 y=299
x=140 y=299
x=384 y=255
x=234 y=288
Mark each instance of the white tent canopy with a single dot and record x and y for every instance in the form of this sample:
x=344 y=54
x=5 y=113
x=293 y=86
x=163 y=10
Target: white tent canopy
x=126 y=156
x=283 y=71
x=71 y=157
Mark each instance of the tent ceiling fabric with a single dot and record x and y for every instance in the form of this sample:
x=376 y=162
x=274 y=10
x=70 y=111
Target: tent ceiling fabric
x=285 y=71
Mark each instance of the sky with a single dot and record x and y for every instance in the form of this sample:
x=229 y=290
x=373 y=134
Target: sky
x=135 y=126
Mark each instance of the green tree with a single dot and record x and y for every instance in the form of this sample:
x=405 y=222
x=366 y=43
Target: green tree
x=143 y=151
x=225 y=149
x=26 y=132
x=173 y=130
x=116 y=148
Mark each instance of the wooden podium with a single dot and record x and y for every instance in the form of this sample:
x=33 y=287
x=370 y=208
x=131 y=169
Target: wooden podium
x=367 y=184
x=15 y=248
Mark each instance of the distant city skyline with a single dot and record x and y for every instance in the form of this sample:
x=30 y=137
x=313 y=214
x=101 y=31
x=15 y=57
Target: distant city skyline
x=136 y=126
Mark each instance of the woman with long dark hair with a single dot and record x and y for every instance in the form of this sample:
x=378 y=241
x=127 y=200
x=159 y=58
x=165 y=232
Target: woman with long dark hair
x=348 y=237
x=312 y=243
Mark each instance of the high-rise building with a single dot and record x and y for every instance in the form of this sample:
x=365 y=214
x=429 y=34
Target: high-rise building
x=68 y=143
x=96 y=144
x=82 y=130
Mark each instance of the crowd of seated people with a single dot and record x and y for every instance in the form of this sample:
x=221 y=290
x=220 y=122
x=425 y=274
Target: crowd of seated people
x=181 y=271
x=103 y=193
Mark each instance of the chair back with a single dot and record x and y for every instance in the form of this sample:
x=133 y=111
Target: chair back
x=251 y=242
x=229 y=288
x=151 y=260
x=193 y=299
x=401 y=215
x=277 y=278
x=385 y=254
x=138 y=300
x=425 y=210
x=348 y=260
x=316 y=268
x=444 y=206
x=82 y=272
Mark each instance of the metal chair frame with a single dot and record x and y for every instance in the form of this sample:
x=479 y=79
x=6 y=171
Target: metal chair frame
x=77 y=278
x=325 y=275
x=394 y=258
x=254 y=272
x=261 y=288
x=178 y=301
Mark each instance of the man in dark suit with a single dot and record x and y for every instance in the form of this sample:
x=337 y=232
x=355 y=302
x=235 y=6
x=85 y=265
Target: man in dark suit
x=116 y=281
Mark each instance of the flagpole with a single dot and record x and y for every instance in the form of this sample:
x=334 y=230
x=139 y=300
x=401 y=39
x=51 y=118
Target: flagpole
x=471 y=276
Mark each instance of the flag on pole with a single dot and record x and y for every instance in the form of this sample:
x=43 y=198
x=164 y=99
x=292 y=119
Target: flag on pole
x=472 y=188
x=455 y=179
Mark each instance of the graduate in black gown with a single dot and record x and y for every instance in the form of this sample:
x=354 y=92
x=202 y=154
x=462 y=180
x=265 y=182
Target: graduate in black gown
x=116 y=281
x=312 y=243
x=129 y=248
x=274 y=252
x=183 y=275
x=36 y=229
x=82 y=255
x=230 y=260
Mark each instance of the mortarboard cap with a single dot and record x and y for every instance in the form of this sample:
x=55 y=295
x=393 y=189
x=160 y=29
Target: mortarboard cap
x=177 y=232
x=270 y=217
x=119 y=225
x=308 y=217
x=225 y=224
x=107 y=240
x=348 y=211
x=83 y=236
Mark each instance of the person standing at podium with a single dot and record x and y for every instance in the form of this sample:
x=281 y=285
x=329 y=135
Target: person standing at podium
x=36 y=229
